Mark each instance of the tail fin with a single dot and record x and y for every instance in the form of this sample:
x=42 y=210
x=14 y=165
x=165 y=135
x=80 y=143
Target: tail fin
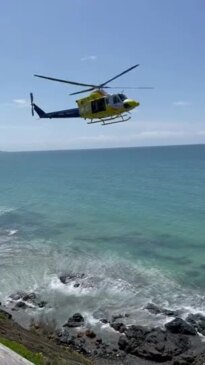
x=35 y=108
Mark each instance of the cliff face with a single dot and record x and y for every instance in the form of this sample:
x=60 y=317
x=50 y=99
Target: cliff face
x=178 y=344
x=37 y=345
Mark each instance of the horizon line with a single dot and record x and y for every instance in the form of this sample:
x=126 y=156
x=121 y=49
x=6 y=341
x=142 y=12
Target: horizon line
x=104 y=148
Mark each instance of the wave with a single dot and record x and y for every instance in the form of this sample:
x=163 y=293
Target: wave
x=6 y=210
x=110 y=284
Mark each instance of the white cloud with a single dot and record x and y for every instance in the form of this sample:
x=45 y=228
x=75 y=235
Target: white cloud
x=20 y=101
x=181 y=103
x=89 y=58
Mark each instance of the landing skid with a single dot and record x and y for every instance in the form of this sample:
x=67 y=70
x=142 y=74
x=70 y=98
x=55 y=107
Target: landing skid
x=107 y=121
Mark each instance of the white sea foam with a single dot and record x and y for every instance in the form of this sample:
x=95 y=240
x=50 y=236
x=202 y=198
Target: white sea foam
x=111 y=284
x=12 y=232
x=5 y=210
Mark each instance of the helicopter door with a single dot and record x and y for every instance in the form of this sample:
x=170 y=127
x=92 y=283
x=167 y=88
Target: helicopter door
x=98 y=105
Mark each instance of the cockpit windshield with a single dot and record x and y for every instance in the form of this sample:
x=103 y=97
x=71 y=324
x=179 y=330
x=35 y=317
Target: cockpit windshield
x=122 y=97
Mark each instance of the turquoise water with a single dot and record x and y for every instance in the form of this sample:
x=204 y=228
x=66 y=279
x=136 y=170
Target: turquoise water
x=132 y=220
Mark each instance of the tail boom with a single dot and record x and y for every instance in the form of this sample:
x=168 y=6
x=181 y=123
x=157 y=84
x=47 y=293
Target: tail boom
x=68 y=113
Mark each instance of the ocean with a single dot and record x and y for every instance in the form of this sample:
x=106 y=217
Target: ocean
x=132 y=220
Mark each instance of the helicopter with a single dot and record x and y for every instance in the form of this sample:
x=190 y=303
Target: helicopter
x=98 y=107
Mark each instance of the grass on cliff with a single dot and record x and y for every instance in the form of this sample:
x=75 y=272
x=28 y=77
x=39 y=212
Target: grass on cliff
x=36 y=358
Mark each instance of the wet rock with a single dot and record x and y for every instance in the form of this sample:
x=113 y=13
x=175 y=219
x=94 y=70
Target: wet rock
x=76 y=320
x=64 y=337
x=116 y=317
x=98 y=341
x=154 y=309
x=197 y=321
x=29 y=297
x=123 y=343
x=118 y=326
x=21 y=305
x=89 y=333
x=18 y=295
x=155 y=344
x=190 y=358
x=76 y=285
x=24 y=300
x=138 y=332
x=68 y=277
x=180 y=326
x=42 y=304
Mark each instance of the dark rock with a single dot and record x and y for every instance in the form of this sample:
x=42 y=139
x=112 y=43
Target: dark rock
x=155 y=345
x=123 y=342
x=154 y=309
x=68 y=277
x=197 y=321
x=90 y=333
x=64 y=337
x=200 y=359
x=103 y=320
x=42 y=304
x=18 y=295
x=76 y=285
x=98 y=341
x=29 y=297
x=170 y=313
x=76 y=320
x=136 y=332
x=120 y=327
x=190 y=358
x=179 y=326
x=84 y=352
x=21 y=305
x=115 y=317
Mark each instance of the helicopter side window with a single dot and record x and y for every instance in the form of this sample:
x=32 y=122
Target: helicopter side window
x=122 y=97
x=115 y=99
x=98 y=105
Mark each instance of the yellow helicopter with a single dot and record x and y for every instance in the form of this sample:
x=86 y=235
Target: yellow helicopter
x=98 y=107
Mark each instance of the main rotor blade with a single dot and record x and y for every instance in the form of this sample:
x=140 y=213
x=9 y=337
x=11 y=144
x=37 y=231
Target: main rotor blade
x=115 y=77
x=83 y=91
x=65 y=81
x=130 y=87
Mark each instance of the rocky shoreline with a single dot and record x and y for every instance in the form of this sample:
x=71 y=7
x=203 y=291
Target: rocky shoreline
x=179 y=342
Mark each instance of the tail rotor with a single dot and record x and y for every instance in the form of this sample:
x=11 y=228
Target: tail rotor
x=32 y=106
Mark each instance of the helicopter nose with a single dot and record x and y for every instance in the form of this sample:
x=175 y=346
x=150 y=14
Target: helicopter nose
x=130 y=104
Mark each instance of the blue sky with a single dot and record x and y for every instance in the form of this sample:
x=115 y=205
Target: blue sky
x=90 y=41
